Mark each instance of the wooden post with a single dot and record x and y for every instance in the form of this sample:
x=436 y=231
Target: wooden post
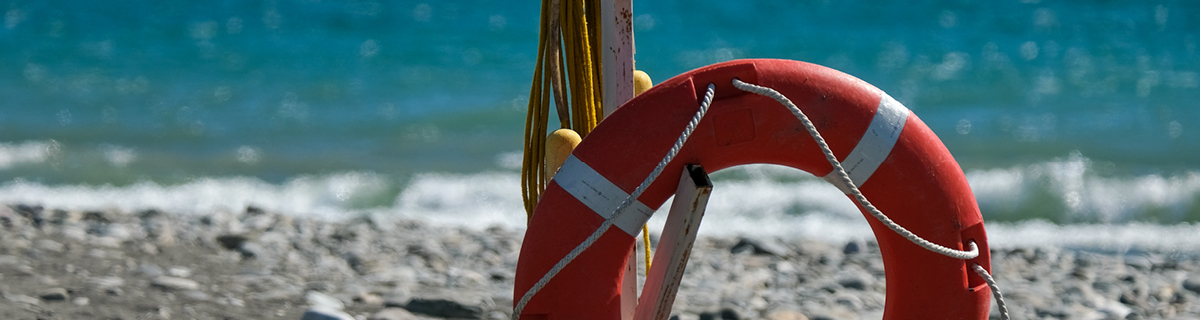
x=617 y=44
x=675 y=245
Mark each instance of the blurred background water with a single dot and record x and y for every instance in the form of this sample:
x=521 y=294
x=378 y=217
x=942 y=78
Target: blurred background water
x=1064 y=114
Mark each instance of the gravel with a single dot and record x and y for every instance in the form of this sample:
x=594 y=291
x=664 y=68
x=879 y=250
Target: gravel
x=257 y=264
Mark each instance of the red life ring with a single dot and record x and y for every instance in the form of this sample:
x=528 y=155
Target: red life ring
x=897 y=161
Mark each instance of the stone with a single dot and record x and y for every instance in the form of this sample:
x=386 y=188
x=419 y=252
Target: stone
x=852 y=247
x=393 y=314
x=1139 y=262
x=324 y=313
x=64 y=217
x=368 y=298
x=857 y=282
x=33 y=213
x=150 y=269
x=179 y=272
x=54 y=294
x=106 y=242
x=81 y=301
x=231 y=241
x=196 y=295
x=1192 y=284
x=852 y=302
x=315 y=298
x=786 y=315
x=251 y=250
x=49 y=245
x=757 y=246
x=20 y=298
x=730 y=314
x=174 y=283
x=444 y=308
x=106 y=282
x=279 y=294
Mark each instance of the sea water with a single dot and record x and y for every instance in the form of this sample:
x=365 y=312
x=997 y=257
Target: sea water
x=1075 y=122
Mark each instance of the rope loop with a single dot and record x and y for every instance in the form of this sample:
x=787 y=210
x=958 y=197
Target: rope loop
x=841 y=173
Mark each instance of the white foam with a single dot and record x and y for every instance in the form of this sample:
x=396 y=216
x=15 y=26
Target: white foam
x=329 y=197
x=12 y=154
x=473 y=200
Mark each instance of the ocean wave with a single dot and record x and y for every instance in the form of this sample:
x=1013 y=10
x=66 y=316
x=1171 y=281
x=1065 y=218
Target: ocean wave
x=330 y=197
x=1063 y=202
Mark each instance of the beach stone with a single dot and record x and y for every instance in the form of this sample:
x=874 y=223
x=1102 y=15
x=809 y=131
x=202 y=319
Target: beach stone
x=856 y=282
x=33 y=213
x=231 y=241
x=730 y=314
x=1113 y=309
x=285 y=293
x=315 y=298
x=49 y=245
x=786 y=315
x=444 y=308
x=179 y=272
x=106 y=282
x=852 y=247
x=20 y=298
x=106 y=242
x=64 y=217
x=322 y=286
x=1142 y=263
x=150 y=269
x=324 y=313
x=251 y=250
x=852 y=302
x=173 y=283
x=8 y=260
x=393 y=314
x=99 y=216
x=54 y=294
x=1057 y=311
x=368 y=298
x=759 y=246
x=196 y=295
x=1192 y=284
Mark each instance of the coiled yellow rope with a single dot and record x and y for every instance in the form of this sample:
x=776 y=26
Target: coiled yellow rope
x=570 y=33
x=579 y=108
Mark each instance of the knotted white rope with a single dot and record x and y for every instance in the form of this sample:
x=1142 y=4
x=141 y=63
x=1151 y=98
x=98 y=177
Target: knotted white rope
x=562 y=263
x=972 y=249
x=995 y=289
x=971 y=253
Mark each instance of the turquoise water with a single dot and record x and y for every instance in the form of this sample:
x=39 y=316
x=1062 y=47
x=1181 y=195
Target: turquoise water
x=1073 y=112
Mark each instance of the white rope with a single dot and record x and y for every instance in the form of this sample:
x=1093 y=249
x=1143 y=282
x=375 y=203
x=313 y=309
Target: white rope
x=972 y=249
x=995 y=290
x=971 y=253
x=687 y=132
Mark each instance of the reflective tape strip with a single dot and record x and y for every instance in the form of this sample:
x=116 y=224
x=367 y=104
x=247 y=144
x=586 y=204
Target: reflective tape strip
x=875 y=144
x=601 y=195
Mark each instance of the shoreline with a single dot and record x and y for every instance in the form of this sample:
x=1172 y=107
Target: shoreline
x=109 y=264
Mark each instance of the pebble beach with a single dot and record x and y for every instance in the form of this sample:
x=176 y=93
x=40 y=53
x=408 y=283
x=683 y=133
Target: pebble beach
x=255 y=264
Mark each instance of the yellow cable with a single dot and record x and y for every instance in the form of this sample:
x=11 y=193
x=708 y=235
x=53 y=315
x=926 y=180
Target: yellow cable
x=646 y=245
x=576 y=50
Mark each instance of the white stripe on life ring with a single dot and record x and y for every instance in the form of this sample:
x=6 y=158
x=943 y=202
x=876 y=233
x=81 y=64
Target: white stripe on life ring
x=601 y=195
x=875 y=144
